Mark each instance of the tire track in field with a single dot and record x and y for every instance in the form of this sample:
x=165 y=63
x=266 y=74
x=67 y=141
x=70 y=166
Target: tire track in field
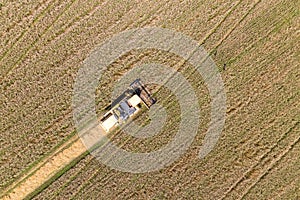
x=72 y=178
x=267 y=34
x=105 y=176
x=21 y=36
x=240 y=105
x=232 y=113
x=227 y=34
x=274 y=79
x=133 y=23
x=35 y=41
x=75 y=22
x=270 y=111
x=287 y=93
x=41 y=93
x=71 y=56
x=56 y=121
x=202 y=41
x=27 y=101
x=47 y=169
x=35 y=15
x=96 y=171
x=37 y=167
x=48 y=128
x=45 y=90
x=79 y=172
x=208 y=35
x=247 y=174
x=238 y=23
x=276 y=26
x=274 y=161
x=269 y=126
x=213 y=30
x=40 y=36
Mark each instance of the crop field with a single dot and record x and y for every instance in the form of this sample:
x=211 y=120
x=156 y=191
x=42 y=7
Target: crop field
x=255 y=45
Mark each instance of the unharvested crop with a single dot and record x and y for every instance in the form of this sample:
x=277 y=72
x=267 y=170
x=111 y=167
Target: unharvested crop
x=254 y=43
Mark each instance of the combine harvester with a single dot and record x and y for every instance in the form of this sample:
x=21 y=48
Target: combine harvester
x=126 y=106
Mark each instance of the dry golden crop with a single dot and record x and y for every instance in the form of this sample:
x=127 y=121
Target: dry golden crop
x=255 y=45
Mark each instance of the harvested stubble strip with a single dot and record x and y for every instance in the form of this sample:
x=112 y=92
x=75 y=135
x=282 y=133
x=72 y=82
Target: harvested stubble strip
x=19 y=120
x=267 y=61
x=39 y=120
x=46 y=170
